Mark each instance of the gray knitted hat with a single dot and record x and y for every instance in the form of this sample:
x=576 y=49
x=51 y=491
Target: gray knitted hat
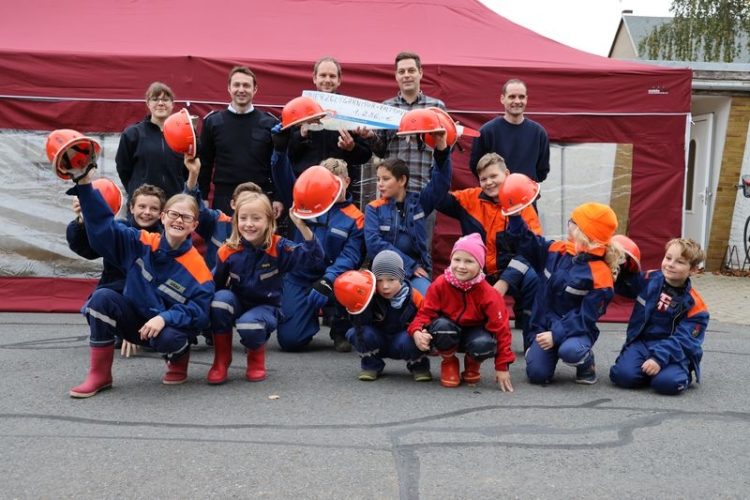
x=388 y=263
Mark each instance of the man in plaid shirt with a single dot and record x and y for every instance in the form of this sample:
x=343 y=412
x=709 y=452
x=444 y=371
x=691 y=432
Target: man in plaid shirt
x=386 y=144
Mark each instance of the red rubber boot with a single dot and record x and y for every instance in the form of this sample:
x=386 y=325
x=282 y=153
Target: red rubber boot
x=471 y=373
x=222 y=358
x=256 y=364
x=449 y=369
x=177 y=370
x=99 y=376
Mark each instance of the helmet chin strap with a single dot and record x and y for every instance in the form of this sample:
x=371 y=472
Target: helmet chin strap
x=91 y=165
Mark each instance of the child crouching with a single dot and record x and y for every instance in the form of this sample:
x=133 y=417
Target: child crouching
x=462 y=312
x=380 y=332
x=667 y=326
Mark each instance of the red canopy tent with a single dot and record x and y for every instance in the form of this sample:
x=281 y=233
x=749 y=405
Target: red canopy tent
x=87 y=68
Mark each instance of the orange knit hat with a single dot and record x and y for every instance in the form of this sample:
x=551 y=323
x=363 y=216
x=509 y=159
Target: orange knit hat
x=596 y=220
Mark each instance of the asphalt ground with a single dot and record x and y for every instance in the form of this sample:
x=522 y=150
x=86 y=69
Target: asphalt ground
x=328 y=435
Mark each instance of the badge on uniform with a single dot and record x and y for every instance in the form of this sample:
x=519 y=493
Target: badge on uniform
x=175 y=286
x=696 y=331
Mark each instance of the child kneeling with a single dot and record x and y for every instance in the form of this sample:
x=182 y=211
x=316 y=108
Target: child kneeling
x=462 y=312
x=380 y=332
x=667 y=326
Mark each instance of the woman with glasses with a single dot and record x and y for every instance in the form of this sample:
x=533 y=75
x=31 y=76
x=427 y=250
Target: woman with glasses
x=143 y=156
x=167 y=294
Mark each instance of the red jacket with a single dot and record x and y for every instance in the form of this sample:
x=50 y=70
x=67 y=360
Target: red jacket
x=479 y=306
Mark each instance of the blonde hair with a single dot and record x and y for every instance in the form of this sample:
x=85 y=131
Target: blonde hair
x=614 y=255
x=491 y=159
x=336 y=167
x=689 y=250
x=186 y=198
x=234 y=240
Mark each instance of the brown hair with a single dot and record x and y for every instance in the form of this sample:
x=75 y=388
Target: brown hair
x=512 y=81
x=689 y=250
x=246 y=187
x=397 y=167
x=234 y=240
x=149 y=190
x=157 y=89
x=409 y=55
x=245 y=71
x=491 y=159
x=327 y=59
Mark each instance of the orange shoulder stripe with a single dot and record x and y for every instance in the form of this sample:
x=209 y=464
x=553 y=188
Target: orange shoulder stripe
x=601 y=273
x=378 y=203
x=699 y=306
x=150 y=239
x=468 y=198
x=224 y=217
x=225 y=251
x=273 y=249
x=354 y=213
x=193 y=263
x=558 y=246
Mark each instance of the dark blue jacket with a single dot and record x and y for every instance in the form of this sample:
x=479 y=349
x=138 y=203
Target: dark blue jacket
x=254 y=274
x=339 y=231
x=143 y=157
x=575 y=289
x=684 y=340
x=112 y=276
x=172 y=283
x=384 y=227
x=214 y=226
x=381 y=315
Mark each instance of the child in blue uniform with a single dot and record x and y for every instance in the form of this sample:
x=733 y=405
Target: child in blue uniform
x=248 y=274
x=309 y=288
x=667 y=326
x=396 y=221
x=167 y=292
x=380 y=331
x=576 y=287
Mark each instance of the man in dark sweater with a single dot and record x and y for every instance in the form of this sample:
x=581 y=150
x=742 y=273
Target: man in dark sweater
x=310 y=147
x=235 y=145
x=522 y=142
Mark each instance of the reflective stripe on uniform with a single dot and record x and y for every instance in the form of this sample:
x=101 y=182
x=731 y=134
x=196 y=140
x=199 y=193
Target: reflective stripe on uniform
x=251 y=326
x=339 y=232
x=518 y=266
x=216 y=304
x=101 y=317
x=173 y=294
x=576 y=291
x=146 y=275
x=269 y=274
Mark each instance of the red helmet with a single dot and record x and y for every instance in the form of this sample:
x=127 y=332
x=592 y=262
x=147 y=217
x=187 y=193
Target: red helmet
x=70 y=152
x=110 y=192
x=299 y=110
x=420 y=121
x=315 y=192
x=451 y=132
x=633 y=262
x=354 y=290
x=180 y=134
x=517 y=193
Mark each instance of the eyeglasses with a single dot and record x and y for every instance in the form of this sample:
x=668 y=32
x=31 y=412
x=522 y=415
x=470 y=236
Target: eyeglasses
x=159 y=99
x=174 y=215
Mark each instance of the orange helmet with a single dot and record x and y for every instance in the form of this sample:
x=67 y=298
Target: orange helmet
x=315 y=192
x=420 y=121
x=179 y=133
x=517 y=192
x=299 y=110
x=451 y=132
x=354 y=290
x=71 y=152
x=110 y=192
x=633 y=262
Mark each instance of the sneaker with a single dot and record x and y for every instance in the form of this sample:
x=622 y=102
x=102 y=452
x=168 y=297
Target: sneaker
x=422 y=376
x=586 y=375
x=340 y=344
x=368 y=375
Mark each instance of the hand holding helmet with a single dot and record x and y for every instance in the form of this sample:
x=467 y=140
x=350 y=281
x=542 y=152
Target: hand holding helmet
x=72 y=154
x=517 y=192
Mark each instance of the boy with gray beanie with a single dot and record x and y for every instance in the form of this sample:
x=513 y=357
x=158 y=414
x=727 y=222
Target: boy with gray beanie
x=380 y=331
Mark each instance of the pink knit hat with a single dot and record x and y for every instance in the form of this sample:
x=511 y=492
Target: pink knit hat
x=473 y=245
